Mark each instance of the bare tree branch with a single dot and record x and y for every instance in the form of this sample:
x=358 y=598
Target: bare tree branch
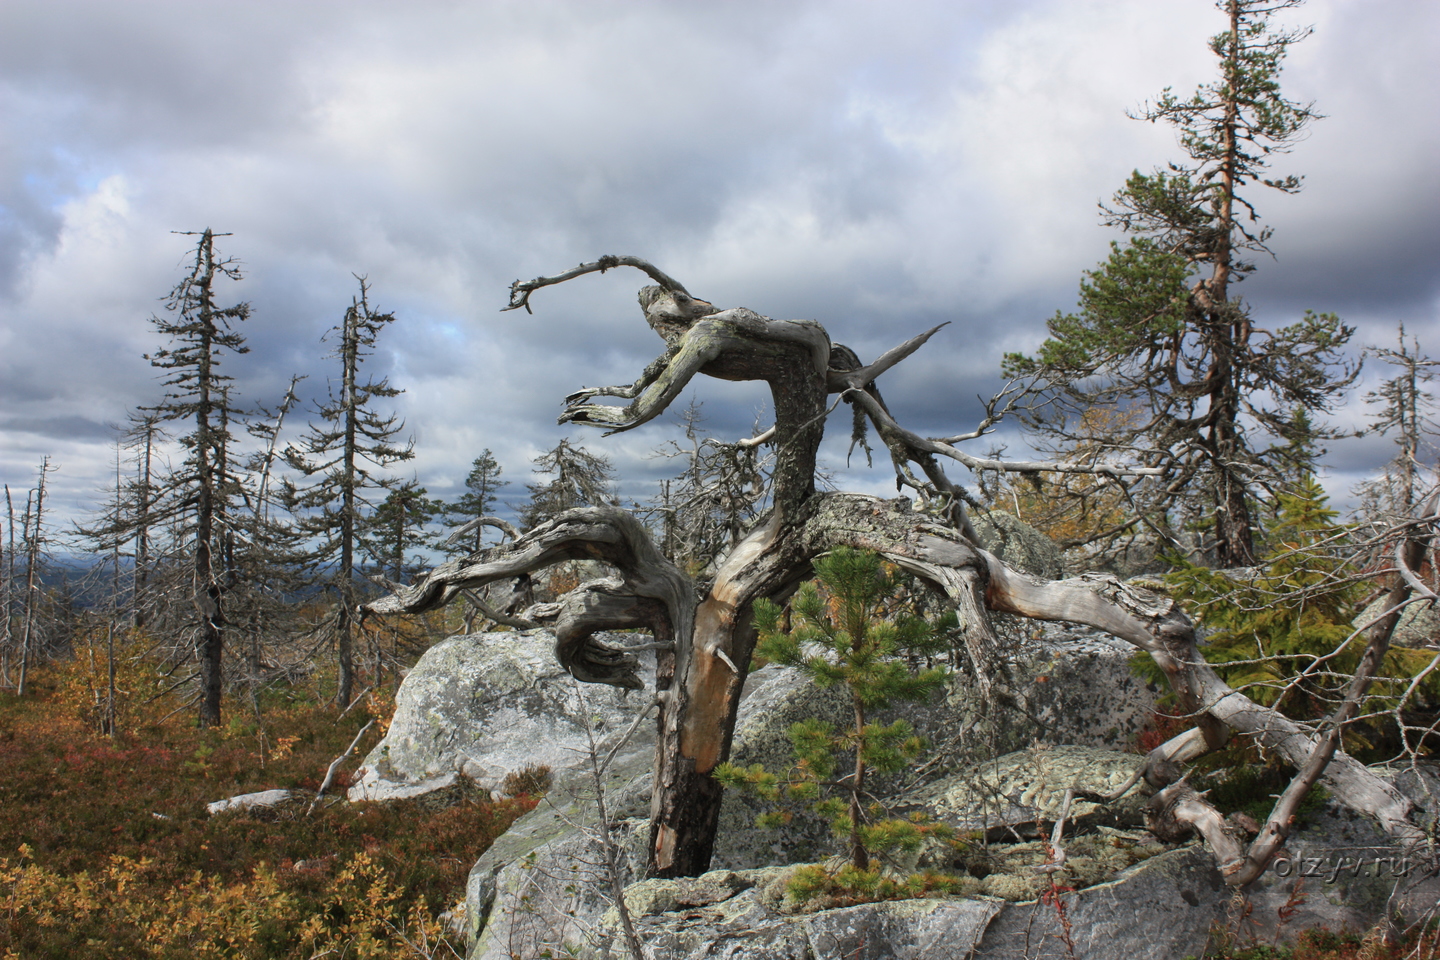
x=520 y=292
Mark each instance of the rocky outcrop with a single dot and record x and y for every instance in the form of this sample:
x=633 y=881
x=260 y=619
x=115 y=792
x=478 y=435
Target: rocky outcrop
x=1167 y=905
x=1157 y=910
x=1019 y=544
x=1018 y=790
x=1419 y=626
x=538 y=887
x=478 y=707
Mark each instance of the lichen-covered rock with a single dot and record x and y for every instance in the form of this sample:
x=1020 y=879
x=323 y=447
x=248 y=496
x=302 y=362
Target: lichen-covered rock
x=547 y=900
x=749 y=921
x=1065 y=685
x=1339 y=871
x=1019 y=544
x=1157 y=910
x=1021 y=789
x=248 y=801
x=1419 y=624
x=486 y=705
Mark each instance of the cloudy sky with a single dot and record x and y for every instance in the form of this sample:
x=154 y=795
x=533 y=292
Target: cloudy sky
x=880 y=167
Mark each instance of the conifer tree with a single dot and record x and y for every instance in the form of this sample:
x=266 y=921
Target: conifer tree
x=270 y=557
x=33 y=525
x=196 y=498
x=582 y=479
x=343 y=452
x=1159 y=329
x=1406 y=413
x=722 y=489
x=1285 y=634
x=483 y=484
x=847 y=630
x=397 y=526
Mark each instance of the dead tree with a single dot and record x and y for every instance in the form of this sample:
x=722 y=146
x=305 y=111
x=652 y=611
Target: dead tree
x=705 y=641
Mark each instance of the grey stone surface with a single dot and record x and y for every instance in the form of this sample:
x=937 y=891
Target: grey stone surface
x=540 y=887
x=549 y=891
x=1419 y=624
x=247 y=801
x=1341 y=872
x=1161 y=909
x=372 y=787
x=486 y=705
x=1020 y=788
x=748 y=925
x=478 y=707
x=1158 y=910
x=518 y=876
x=1019 y=544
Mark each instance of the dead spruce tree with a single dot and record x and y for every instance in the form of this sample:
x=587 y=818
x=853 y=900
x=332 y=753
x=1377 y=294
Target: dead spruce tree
x=200 y=497
x=705 y=641
x=343 y=453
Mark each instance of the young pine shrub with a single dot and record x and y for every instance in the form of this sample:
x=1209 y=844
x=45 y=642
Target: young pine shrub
x=849 y=630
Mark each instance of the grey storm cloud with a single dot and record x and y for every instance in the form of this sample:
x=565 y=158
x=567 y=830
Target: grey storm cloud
x=881 y=168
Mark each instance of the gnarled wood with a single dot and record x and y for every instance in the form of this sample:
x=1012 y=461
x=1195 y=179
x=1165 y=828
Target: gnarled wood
x=705 y=643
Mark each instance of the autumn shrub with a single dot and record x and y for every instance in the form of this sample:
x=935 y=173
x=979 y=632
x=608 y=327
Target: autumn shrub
x=106 y=848
x=1418 y=943
x=532 y=781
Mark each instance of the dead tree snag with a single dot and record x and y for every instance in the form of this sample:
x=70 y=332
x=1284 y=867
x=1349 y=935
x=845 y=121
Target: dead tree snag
x=705 y=641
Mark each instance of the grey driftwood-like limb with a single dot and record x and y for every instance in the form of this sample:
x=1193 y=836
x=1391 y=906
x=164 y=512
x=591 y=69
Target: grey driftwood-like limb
x=651 y=592
x=705 y=642
x=505 y=619
x=1410 y=552
x=1154 y=623
x=705 y=342
x=1055 y=861
x=755 y=441
x=1176 y=810
x=520 y=291
x=335 y=765
x=861 y=377
x=888 y=427
x=470 y=526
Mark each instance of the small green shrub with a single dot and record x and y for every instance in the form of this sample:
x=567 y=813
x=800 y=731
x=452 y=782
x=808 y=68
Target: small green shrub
x=1283 y=636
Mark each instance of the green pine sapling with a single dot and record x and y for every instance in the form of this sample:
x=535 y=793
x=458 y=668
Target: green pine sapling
x=851 y=628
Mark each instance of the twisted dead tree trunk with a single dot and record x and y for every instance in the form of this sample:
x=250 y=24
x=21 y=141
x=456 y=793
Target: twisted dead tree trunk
x=705 y=642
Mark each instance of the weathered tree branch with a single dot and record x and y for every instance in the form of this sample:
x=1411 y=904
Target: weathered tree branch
x=704 y=644
x=1409 y=554
x=651 y=592
x=520 y=292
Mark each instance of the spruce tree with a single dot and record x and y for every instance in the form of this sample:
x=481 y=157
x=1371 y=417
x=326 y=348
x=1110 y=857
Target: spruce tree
x=269 y=559
x=706 y=509
x=483 y=484
x=343 y=452
x=1159 y=330
x=582 y=479
x=197 y=498
x=396 y=527
x=1407 y=413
